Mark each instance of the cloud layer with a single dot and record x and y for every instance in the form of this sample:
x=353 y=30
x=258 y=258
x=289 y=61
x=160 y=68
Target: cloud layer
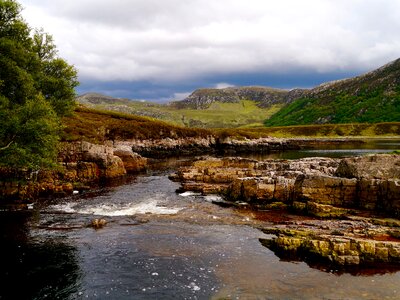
x=170 y=41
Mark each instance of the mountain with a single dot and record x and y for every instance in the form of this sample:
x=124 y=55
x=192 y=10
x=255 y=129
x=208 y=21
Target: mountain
x=91 y=99
x=222 y=114
x=368 y=98
x=134 y=107
x=264 y=97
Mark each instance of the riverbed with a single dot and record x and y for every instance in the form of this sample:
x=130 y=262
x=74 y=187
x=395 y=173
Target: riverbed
x=160 y=244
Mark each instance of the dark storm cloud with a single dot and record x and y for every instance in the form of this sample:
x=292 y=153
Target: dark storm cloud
x=163 y=92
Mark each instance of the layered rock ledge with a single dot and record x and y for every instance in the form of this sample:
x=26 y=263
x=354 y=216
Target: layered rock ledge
x=354 y=241
x=80 y=164
x=160 y=148
x=311 y=184
x=332 y=190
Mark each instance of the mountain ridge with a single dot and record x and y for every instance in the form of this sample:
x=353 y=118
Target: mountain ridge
x=370 y=97
x=265 y=97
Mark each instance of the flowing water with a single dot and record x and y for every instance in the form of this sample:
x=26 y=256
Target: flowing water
x=158 y=244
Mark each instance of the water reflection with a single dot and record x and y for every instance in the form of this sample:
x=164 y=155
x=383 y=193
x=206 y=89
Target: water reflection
x=34 y=269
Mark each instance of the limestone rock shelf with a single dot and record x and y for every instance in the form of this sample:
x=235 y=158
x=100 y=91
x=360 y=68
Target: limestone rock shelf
x=312 y=184
x=349 y=199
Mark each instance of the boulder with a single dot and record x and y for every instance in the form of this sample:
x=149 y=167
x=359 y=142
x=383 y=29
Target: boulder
x=378 y=166
x=325 y=189
x=133 y=162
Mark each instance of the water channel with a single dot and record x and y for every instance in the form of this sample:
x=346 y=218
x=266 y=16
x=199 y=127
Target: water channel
x=159 y=244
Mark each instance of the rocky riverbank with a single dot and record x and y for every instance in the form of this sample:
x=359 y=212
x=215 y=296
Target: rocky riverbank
x=348 y=197
x=192 y=146
x=81 y=164
x=210 y=145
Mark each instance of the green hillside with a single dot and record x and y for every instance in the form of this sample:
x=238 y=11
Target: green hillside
x=244 y=113
x=370 y=98
x=98 y=126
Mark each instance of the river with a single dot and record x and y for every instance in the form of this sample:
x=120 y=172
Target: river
x=159 y=244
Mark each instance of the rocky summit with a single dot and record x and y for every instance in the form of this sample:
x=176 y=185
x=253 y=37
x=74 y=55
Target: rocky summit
x=263 y=96
x=371 y=97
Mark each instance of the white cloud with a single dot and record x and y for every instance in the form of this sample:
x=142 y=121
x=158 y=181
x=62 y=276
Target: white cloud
x=174 y=40
x=223 y=85
x=181 y=96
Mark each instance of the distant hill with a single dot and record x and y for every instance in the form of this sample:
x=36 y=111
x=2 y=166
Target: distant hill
x=219 y=114
x=264 y=97
x=97 y=99
x=372 y=97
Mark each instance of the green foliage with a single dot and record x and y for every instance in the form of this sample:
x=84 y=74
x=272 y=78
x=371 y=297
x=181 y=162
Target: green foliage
x=367 y=105
x=29 y=134
x=56 y=79
x=36 y=88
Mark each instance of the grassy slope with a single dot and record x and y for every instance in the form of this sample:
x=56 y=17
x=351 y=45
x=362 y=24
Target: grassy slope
x=369 y=98
x=218 y=115
x=98 y=126
x=370 y=108
x=390 y=129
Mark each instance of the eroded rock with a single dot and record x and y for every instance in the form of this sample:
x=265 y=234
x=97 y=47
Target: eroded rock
x=317 y=187
x=382 y=166
x=323 y=246
x=308 y=180
x=133 y=162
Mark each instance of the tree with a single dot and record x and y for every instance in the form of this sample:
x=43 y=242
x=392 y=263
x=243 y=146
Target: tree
x=36 y=89
x=56 y=79
x=29 y=134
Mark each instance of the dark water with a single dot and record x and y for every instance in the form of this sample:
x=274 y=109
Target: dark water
x=159 y=245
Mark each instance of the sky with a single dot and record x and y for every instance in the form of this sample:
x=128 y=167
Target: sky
x=160 y=50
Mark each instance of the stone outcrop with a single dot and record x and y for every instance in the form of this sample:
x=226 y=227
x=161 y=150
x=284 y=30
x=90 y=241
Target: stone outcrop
x=90 y=161
x=222 y=145
x=171 y=147
x=132 y=161
x=381 y=166
x=252 y=180
x=263 y=96
x=303 y=181
x=355 y=241
x=81 y=164
x=229 y=146
x=336 y=191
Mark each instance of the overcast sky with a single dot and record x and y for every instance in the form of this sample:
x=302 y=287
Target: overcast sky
x=164 y=49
